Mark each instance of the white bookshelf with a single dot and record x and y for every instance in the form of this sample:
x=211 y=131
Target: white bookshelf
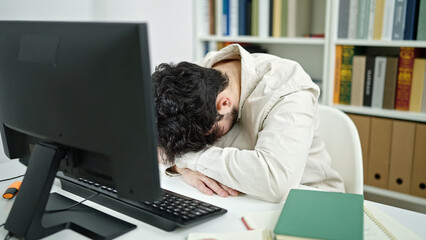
x=317 y=57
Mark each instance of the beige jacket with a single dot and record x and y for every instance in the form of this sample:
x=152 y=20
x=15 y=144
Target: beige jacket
x=275 y=145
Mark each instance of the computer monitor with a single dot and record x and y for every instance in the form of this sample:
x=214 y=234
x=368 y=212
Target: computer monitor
x=76 y=97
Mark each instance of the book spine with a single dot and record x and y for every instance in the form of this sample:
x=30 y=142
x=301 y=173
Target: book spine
x=337 y=69
x=264 y=18
x=255 y=18
x=421 y=23
x=390 y=82
x=225 y=17
x=271 y=16
x=363 y=15
x=379 y=82
x=369 y=84
x=284 y=19
x=353 y=19
x=342 y=31
x=399 y=19
x=242 y=17
x=219 y=16
x=371 y=19
x=378 y=19
x=233 y=11
x=212 y=17
x=388 y=20
x=416 y=94
x=405 y=75
x=291 y=18
x=346 y=74
x=358 y=75
x=277 y=14
x=411 y=18
x=248 y=17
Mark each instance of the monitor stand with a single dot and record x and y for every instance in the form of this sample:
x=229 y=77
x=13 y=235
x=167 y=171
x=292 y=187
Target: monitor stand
x=27 y=218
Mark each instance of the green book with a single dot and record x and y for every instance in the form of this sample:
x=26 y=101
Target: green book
x=255 y=18
x=321 y=215
x=346 y=74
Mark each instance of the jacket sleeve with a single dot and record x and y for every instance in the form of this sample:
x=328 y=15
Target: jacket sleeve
x=278 y=160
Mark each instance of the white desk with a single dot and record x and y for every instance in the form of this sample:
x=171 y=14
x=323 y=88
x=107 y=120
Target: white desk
x=230 y=222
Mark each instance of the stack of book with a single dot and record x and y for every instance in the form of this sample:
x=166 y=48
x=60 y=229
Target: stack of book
x=264 y=18
x=382 y=19
x=389 y=78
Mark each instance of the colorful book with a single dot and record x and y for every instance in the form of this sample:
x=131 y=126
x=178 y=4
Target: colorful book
x=417 y=94
x=346 y=74
x=379 y=82
x=421 y=23
x=342 y=29
x=298 y=17
x=369 y=83
x=390 y=82
x=337 y=69
x=322 y=215
x=378 y=19
x=405 y=76
x=242 y=18
x=358 y=76
x=411 y=18
x=212 y=17
x=284 y=18
x=363 y=15
x=399 y=19
x=225 y=17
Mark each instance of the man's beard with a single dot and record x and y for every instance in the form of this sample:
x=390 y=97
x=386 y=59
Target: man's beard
x=233 y=116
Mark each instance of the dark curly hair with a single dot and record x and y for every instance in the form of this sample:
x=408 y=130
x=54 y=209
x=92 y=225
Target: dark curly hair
x=185 y=97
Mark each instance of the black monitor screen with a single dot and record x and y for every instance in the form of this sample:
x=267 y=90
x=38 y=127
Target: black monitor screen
x=86 y=89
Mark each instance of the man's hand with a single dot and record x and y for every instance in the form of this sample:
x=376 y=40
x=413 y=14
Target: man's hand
x=205 y=184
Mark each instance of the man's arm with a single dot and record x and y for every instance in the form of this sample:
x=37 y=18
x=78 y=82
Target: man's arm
x=278 y=160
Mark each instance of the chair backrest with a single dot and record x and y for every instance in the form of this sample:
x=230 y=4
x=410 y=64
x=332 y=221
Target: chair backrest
x=342 y=142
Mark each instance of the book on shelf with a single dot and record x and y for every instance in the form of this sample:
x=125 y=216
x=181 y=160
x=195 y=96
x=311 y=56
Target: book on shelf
x=233 y=18
x=225 y=17
x=264 y=18
x=371 y=19
x=405 y=75
x=378 y=19
x=346 y=74
x=212 y=18
x=299 y=17
x=421 y=24
x=342 y=29
x=418 y=178
x=401 y=159
x=255 y=18
x=388 y=20
x=369 y=83
x=363 y=19
x=417 y=89
x=337 y=69
x=323 y=215
x=242 y=18
x=358 y=80
x=278 y=16
x=379 y=82
x=399 y=19
x=390 y=82
x=353 y=19
x=411 y=20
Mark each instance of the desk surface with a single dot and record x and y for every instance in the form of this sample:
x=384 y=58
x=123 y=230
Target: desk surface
x=230 y=222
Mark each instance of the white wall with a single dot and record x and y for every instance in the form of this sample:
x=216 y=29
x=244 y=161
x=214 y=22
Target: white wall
x=169 y=21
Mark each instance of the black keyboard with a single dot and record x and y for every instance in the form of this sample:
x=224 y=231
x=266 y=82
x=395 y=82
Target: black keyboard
x=172 y=211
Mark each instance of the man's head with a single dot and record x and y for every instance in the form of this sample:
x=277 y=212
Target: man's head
x=191 y=113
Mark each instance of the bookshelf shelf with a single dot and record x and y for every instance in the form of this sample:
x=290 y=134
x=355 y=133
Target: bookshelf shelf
x=402 y=115
x=250 y=39
x=377 y=43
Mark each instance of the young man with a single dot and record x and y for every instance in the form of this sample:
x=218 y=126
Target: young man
x=242 y=122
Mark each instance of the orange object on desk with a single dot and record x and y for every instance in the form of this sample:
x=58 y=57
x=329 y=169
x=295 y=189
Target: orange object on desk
x=12 y=190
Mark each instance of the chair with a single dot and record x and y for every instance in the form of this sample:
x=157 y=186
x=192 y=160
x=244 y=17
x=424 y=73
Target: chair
x=343 y=144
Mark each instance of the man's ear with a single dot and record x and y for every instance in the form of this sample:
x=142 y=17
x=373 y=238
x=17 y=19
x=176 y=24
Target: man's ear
x=223 y=104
